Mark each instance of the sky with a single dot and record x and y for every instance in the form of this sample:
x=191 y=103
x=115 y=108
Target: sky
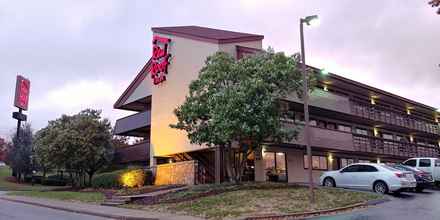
x=83 y=54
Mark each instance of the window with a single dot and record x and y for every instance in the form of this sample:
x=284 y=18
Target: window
x=331 y=126
x=321 y=124
x=367 y=168
x=275 y=166
x=318 y=162
x=387 y=136
x=343 y=162
x=424 y=163
x=437 y=163
x=361 y=131
x=411 y=163
x=350 y=169
x=344 y=128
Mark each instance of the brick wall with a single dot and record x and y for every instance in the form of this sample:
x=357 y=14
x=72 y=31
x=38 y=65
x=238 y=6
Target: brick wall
x=176 y=173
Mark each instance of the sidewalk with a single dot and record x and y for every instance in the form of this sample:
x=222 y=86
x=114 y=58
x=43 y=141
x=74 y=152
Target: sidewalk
x=96 y=210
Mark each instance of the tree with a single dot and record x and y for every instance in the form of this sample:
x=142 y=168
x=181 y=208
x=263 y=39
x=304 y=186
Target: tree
x=435 y=3
x=237 y=102
x=20 y=152
x=3 y=148
x=80 y=144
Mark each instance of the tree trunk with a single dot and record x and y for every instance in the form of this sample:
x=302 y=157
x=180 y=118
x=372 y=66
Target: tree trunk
x=90 y=178
x=229 y=159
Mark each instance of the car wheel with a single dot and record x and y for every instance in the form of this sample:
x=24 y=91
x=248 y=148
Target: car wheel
x=329 y=182
x=419 y=189
x=380 y=187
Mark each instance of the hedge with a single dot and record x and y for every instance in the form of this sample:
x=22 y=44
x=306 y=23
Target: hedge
x=112 y=179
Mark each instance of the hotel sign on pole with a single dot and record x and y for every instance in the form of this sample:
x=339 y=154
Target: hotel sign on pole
x=160 y=59
x=22 y=89
x=21 y=100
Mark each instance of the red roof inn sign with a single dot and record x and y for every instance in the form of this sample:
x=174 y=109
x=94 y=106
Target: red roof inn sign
x=22 y=89
x=21 y=100
x=160 y=59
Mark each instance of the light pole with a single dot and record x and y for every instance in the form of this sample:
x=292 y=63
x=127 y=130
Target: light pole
x=309 y=20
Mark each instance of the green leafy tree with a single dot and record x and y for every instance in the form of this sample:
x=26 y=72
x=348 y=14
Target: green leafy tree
x=20 y=152
x=235 y=104
x=80 y=144
x=3 y=148
x=435 y=3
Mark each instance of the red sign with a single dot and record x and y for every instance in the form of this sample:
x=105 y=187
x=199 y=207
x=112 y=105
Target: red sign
x=160 y=59
x=22 y=89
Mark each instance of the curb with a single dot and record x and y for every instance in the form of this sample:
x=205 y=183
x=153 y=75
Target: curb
x=119 y=217
x=317 y=213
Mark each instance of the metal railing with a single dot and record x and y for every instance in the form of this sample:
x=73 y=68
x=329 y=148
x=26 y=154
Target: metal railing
x=377 y=114
x=375 y=145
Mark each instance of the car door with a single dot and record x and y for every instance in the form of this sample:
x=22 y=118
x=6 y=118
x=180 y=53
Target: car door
x=346 y=177
x=366 y=176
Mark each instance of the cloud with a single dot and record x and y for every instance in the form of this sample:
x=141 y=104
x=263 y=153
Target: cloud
x=78 y=95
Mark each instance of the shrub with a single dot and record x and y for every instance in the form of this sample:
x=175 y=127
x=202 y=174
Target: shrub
x=130 y=177
x=107 y=180
x=54 y=182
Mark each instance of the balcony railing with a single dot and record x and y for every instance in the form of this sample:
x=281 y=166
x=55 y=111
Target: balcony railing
x=139 y=152
x=394 y=118
x=132 y=123
x=375 y=145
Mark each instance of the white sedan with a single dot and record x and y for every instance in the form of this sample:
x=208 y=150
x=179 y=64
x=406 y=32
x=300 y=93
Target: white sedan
x=371 y=176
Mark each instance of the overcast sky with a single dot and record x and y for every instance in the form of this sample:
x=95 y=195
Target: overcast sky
x=81 y=54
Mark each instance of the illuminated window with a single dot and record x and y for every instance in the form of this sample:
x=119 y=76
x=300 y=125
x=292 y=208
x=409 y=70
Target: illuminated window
x=318 y=162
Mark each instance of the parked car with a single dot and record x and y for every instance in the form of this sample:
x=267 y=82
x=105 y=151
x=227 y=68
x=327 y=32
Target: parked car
x=427 y=164
x=423 y=179
x=2 y=164
x=380 y=178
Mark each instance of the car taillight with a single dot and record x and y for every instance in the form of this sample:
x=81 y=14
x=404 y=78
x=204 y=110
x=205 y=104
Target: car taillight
x=400 y=175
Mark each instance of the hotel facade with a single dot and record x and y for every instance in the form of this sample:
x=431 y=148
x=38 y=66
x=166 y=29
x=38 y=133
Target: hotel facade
x=350 y=121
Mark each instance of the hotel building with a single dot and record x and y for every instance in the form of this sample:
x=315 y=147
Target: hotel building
x=350 y=121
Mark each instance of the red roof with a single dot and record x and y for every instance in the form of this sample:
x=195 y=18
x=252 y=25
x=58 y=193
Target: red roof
x=208 y=34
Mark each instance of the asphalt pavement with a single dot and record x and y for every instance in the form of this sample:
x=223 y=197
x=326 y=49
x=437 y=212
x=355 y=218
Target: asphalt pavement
x=20 y=211
x=407 y=206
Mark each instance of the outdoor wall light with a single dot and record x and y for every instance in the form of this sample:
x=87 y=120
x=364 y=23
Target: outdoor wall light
x=330 y=158
x=376 y=132
x=411 y=138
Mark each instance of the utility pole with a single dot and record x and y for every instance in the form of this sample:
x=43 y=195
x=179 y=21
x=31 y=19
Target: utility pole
x=308 y=20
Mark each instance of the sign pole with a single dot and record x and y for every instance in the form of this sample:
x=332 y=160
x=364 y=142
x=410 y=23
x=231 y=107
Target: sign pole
x=19 y=123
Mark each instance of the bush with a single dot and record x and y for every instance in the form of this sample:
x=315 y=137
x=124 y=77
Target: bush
x=107 y=180
x=113 y=179
x=53 y=182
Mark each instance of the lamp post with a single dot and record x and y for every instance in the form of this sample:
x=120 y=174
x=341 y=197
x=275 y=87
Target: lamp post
x=309 y=20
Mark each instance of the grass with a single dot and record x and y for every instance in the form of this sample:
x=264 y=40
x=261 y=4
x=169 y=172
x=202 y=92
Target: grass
x=5 y=185
x=89 y=197
x=260 y=201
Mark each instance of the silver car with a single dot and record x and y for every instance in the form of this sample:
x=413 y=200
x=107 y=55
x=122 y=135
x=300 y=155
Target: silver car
x=370 y=176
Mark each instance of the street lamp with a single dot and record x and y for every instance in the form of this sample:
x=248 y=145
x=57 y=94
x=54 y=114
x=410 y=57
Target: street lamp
x=309 y=20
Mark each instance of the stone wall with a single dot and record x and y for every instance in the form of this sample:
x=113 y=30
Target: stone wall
x=176 y=173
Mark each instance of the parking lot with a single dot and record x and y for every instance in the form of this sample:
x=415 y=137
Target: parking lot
x=407 y=206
